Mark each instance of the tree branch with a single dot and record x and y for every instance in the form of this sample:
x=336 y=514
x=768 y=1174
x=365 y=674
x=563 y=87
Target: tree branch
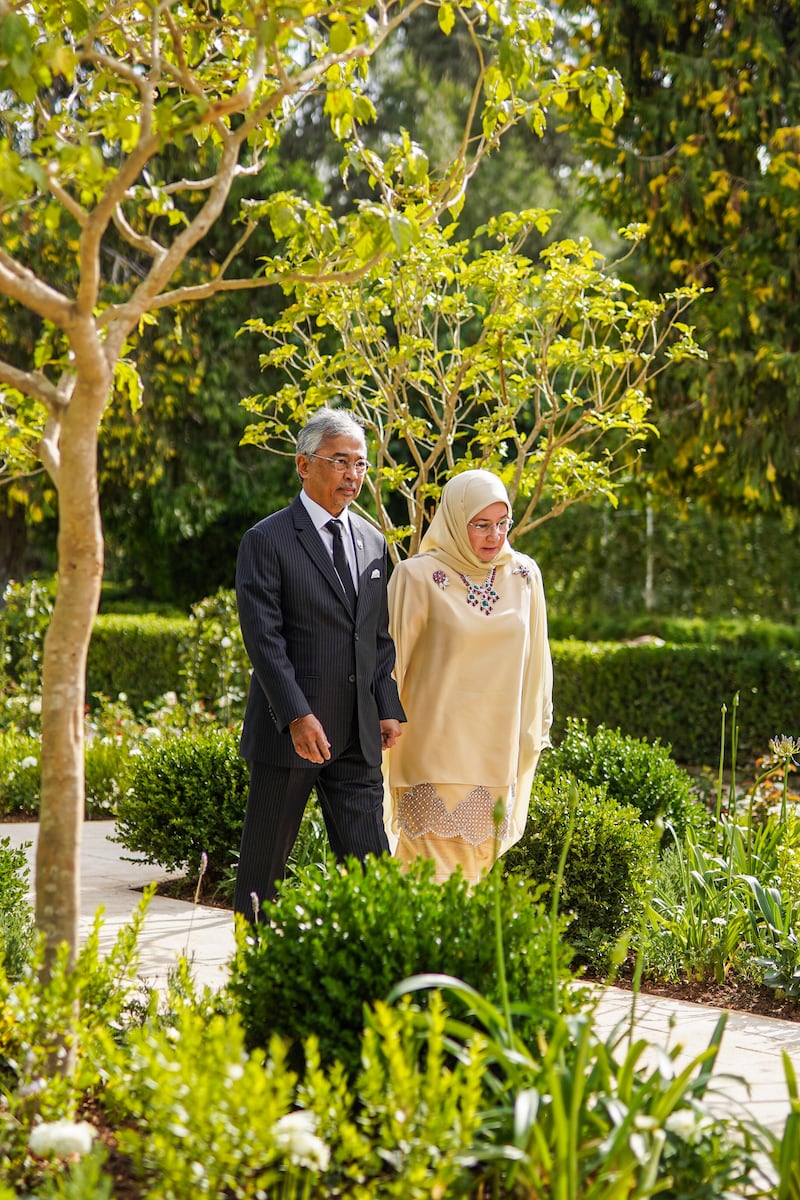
x=20 y=284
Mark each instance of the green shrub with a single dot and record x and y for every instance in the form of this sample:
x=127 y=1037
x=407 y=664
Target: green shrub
x=187 y=798
x=20 y=774
x=215 y=662
x=200 y=1116
x=138 y=656
x=16 y=915
x=675 y=693
x=611 y=856
x=108 y=768
x=632 y=770
x=338 y=941
x=25 y=610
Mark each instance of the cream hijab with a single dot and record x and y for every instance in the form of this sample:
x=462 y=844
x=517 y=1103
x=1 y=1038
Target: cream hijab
x=462 y=497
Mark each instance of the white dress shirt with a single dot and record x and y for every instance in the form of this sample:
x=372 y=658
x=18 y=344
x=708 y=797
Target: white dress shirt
x=320 y=516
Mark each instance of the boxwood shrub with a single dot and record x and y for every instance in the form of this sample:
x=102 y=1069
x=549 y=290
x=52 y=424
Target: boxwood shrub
x=631 y=770
x=339 y=940
x=187 y=797
x=611 y=857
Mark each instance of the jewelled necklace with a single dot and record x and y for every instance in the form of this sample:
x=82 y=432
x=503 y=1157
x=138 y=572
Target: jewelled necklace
x=481 y=595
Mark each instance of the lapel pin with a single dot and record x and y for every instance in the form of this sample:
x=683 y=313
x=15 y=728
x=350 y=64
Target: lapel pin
x=375 y=574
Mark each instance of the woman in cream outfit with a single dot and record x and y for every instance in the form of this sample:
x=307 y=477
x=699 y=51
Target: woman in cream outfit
x=469 y=623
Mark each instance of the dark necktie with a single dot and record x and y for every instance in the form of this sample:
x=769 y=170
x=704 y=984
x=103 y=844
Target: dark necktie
x=341 y=563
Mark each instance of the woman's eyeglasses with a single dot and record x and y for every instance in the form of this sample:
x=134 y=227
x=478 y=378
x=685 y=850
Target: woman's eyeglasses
x=340 y=465
x=486 y=526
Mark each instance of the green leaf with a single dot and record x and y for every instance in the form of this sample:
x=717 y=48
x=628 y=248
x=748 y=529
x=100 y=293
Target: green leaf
x=447 y=18
x=341 y=37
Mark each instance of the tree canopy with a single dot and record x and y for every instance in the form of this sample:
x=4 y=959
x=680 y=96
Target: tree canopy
x=707 y=154
x=536 y=367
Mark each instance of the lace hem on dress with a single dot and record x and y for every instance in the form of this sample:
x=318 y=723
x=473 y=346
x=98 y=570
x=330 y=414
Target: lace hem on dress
x=421 y=810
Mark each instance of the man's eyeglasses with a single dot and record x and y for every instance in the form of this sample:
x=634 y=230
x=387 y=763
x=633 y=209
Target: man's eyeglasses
x=486 y=526
x=359 y=465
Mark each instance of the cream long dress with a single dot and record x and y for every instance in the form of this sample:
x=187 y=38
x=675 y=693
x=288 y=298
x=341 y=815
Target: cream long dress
x=477 y=692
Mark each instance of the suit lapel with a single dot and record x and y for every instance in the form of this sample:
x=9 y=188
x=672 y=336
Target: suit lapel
x=311 y=542
x=361 y=555
x=362 y=533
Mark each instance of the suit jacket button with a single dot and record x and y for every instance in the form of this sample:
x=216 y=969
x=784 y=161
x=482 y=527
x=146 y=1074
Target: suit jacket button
x=352 y=678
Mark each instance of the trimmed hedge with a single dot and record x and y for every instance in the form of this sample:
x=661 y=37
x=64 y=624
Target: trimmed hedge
x=745 y=633
x=675 y=694
x=631 y=770
x=140 y=656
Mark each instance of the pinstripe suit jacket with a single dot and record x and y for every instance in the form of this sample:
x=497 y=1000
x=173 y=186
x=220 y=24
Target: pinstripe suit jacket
x=308 y=652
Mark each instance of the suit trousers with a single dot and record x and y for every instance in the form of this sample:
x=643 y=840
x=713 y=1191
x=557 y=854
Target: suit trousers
x=350 y=794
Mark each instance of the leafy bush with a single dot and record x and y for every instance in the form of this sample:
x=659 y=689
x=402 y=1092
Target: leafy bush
x=16 y=915
x=108 y=769
x=632 y=770
x=25 y=610
x=611 y=854
x=338 y=941
x=199 y=1115
x=20 y=774
x=107 y=766
x=187 y=798
x=215 y=662
x=137 y=655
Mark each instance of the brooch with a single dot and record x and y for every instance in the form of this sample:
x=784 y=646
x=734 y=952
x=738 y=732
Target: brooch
x=521 y=570
x=440 y=579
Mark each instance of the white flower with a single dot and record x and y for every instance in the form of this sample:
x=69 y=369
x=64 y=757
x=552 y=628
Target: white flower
x=35 y=705
x=151 y=734
x=685 y=1124
x=784 y=747
x=123 y=697
x=170 y=699
x=30 y=761
x=296 y=1135
x=61 y=1138
x=226 y=642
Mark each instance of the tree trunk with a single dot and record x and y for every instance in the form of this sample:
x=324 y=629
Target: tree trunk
x=80 y=570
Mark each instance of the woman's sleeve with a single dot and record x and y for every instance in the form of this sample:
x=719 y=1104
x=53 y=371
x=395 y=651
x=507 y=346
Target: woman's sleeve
x=536 y=716
x=407 y=615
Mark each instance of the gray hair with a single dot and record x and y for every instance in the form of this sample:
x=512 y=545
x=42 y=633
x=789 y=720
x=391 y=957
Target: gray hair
x=327 y=423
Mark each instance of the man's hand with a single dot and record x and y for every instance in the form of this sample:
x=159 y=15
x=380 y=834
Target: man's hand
x=309 y=739
x=390 y=732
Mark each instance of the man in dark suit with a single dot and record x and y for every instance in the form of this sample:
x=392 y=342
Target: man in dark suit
x=322 y=704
